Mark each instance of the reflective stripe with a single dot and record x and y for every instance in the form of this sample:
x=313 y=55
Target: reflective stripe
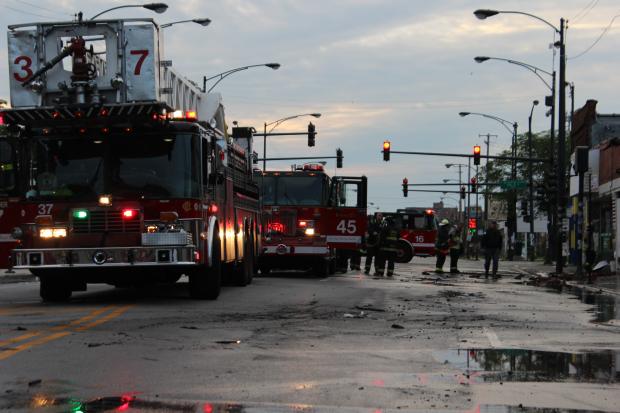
x=344 y=238
x=298 y=250
x=7 y=238
x=423 y=245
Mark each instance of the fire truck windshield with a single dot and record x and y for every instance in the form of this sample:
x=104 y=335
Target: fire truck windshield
x=294 y=190
x=152 y=166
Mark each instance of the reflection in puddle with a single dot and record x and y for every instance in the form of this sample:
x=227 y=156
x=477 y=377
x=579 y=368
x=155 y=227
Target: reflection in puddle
x=493 y=365
x=605 y=305
x=521 y=409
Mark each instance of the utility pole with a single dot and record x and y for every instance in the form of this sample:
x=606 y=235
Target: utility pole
x=487 y=142
x=561 y=168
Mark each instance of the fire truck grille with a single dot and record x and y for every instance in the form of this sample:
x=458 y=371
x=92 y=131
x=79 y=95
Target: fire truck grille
x=106 y=221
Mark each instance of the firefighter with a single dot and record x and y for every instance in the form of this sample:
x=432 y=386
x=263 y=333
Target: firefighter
x=372 y=241
x=388 y=247
x=456 y=245
x=442 y=244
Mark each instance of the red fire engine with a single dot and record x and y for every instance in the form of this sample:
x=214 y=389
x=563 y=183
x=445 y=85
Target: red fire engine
x=310 y=220
x=9 y=195
x=418 y=232
x=116 y=186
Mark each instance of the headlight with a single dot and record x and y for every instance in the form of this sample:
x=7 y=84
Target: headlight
x=309 y=231
x=47 y=233
x=17 y=233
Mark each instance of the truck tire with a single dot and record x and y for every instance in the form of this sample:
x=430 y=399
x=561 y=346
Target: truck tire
x=321 y=268
x=264 y=269
x=244 y=271
x=54 y=289
x=405 y=251
x=206 y=282
x=332 y=266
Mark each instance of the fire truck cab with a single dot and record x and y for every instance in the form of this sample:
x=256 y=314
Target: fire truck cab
x=9 y=195
x=418 y=232
x=310 y=219
x=130 y=176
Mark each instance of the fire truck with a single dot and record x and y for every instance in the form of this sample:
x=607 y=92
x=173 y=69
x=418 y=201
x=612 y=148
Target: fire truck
x=130 y=176
x=9 y=195
x=310 y=220
x=418 y=232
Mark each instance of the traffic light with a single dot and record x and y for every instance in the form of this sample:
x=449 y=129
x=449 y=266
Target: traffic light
x=386 y=150
x=338 y=158
x=405 y=187
x=463 y=192
x=311 y=134
x=477 y=155
x=472 y=225
x=472 y=184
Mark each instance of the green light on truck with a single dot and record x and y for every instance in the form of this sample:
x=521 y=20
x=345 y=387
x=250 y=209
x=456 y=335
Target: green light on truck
x=80 y=214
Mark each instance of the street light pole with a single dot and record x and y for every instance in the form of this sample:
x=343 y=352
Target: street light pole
x=530 y=241
x=273 y=66
x=275 y=124
x=156 y=7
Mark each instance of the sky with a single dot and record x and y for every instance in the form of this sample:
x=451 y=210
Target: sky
x=376 y=69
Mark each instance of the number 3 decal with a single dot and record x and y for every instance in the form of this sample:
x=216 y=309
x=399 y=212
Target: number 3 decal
x=347 y=226
x=27 y=62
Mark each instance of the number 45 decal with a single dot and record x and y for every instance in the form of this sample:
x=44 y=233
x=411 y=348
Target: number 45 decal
x=345 y=226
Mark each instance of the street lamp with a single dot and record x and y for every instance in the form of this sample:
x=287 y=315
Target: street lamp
x=202 y=22
x=274 y=125
x=530 y=243
x=156 y=7
x=221 y=76
x=552 y=212
x=561 y=168
x=512 y=219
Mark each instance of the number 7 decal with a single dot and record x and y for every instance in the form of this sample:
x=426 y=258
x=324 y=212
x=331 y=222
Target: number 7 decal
x=143 y=54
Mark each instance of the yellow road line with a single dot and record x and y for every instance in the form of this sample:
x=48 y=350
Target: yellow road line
x=11 y=352
x=90 y=316
x=42 y=340
x=105 y=318
x=19 y=338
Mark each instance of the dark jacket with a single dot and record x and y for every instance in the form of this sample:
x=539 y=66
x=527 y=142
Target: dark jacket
x=374 y=231
x=491 y=239
x=443 y=236
x=389 y=238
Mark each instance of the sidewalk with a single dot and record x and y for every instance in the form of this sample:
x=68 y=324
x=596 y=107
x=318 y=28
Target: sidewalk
x=17 y=276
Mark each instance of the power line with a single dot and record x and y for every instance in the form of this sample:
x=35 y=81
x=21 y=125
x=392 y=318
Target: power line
x=597 y=40
x=38 y=6
x=586 y=10
x=27 y=12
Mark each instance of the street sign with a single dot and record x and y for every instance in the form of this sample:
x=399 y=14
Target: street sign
x=516 y=184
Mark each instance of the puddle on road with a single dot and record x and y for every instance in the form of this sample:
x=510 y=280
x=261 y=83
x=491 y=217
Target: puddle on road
x=605 y=305
x=510 y=365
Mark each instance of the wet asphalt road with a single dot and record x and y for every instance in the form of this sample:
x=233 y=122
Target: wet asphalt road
x=291 y=342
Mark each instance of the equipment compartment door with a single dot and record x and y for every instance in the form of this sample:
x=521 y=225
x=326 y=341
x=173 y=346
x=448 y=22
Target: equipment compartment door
x=346 y=221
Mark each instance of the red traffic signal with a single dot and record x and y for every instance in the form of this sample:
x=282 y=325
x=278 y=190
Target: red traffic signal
x=472 y=223
x=386 y=150
x=472 y=184
x=405 y=187
x=477 y=155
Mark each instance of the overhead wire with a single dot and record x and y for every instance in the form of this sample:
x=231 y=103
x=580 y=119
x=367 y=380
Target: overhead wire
x=585 y=11
x=27 y=12
x=38 y=6
x=598 y=39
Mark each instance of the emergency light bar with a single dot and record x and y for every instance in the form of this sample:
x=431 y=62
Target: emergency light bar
x=313 y=167
x=183 y=115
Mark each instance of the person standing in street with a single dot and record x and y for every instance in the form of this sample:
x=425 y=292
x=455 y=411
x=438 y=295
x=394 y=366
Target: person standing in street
x=372 y=241
x=388 y=247
x=456 y=246
x=442 y=245
x=491 y=242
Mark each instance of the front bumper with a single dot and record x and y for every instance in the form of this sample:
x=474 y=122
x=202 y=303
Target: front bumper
x=295 y=250
x=103 y=257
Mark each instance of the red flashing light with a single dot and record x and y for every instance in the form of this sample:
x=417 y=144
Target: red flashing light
x=105 y=130
x=46 y=131
x=213 y=209
x=196 y=256
x=313 y=167
x=191 y=115
x=82 y=130
x=222 y=155
x=303 y=224
x=79 y=114
x=275 y=227
x=55 y=114
x=429 y=212
x=104 y=112
x=1 y=118
x=128 y=130
x=129 y=213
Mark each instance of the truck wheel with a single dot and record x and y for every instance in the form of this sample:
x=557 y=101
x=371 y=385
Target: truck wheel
x=206 y=283
x=264 y=269
x=244 y=270
x=332 y=266
x=404 y=253
x=54 y=289
x=321 y=268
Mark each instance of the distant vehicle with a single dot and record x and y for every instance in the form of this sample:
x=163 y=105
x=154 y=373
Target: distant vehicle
x=418 y=232
x=310 y=220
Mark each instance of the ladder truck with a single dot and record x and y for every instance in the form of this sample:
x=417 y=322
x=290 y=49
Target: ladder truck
x=128 y=175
